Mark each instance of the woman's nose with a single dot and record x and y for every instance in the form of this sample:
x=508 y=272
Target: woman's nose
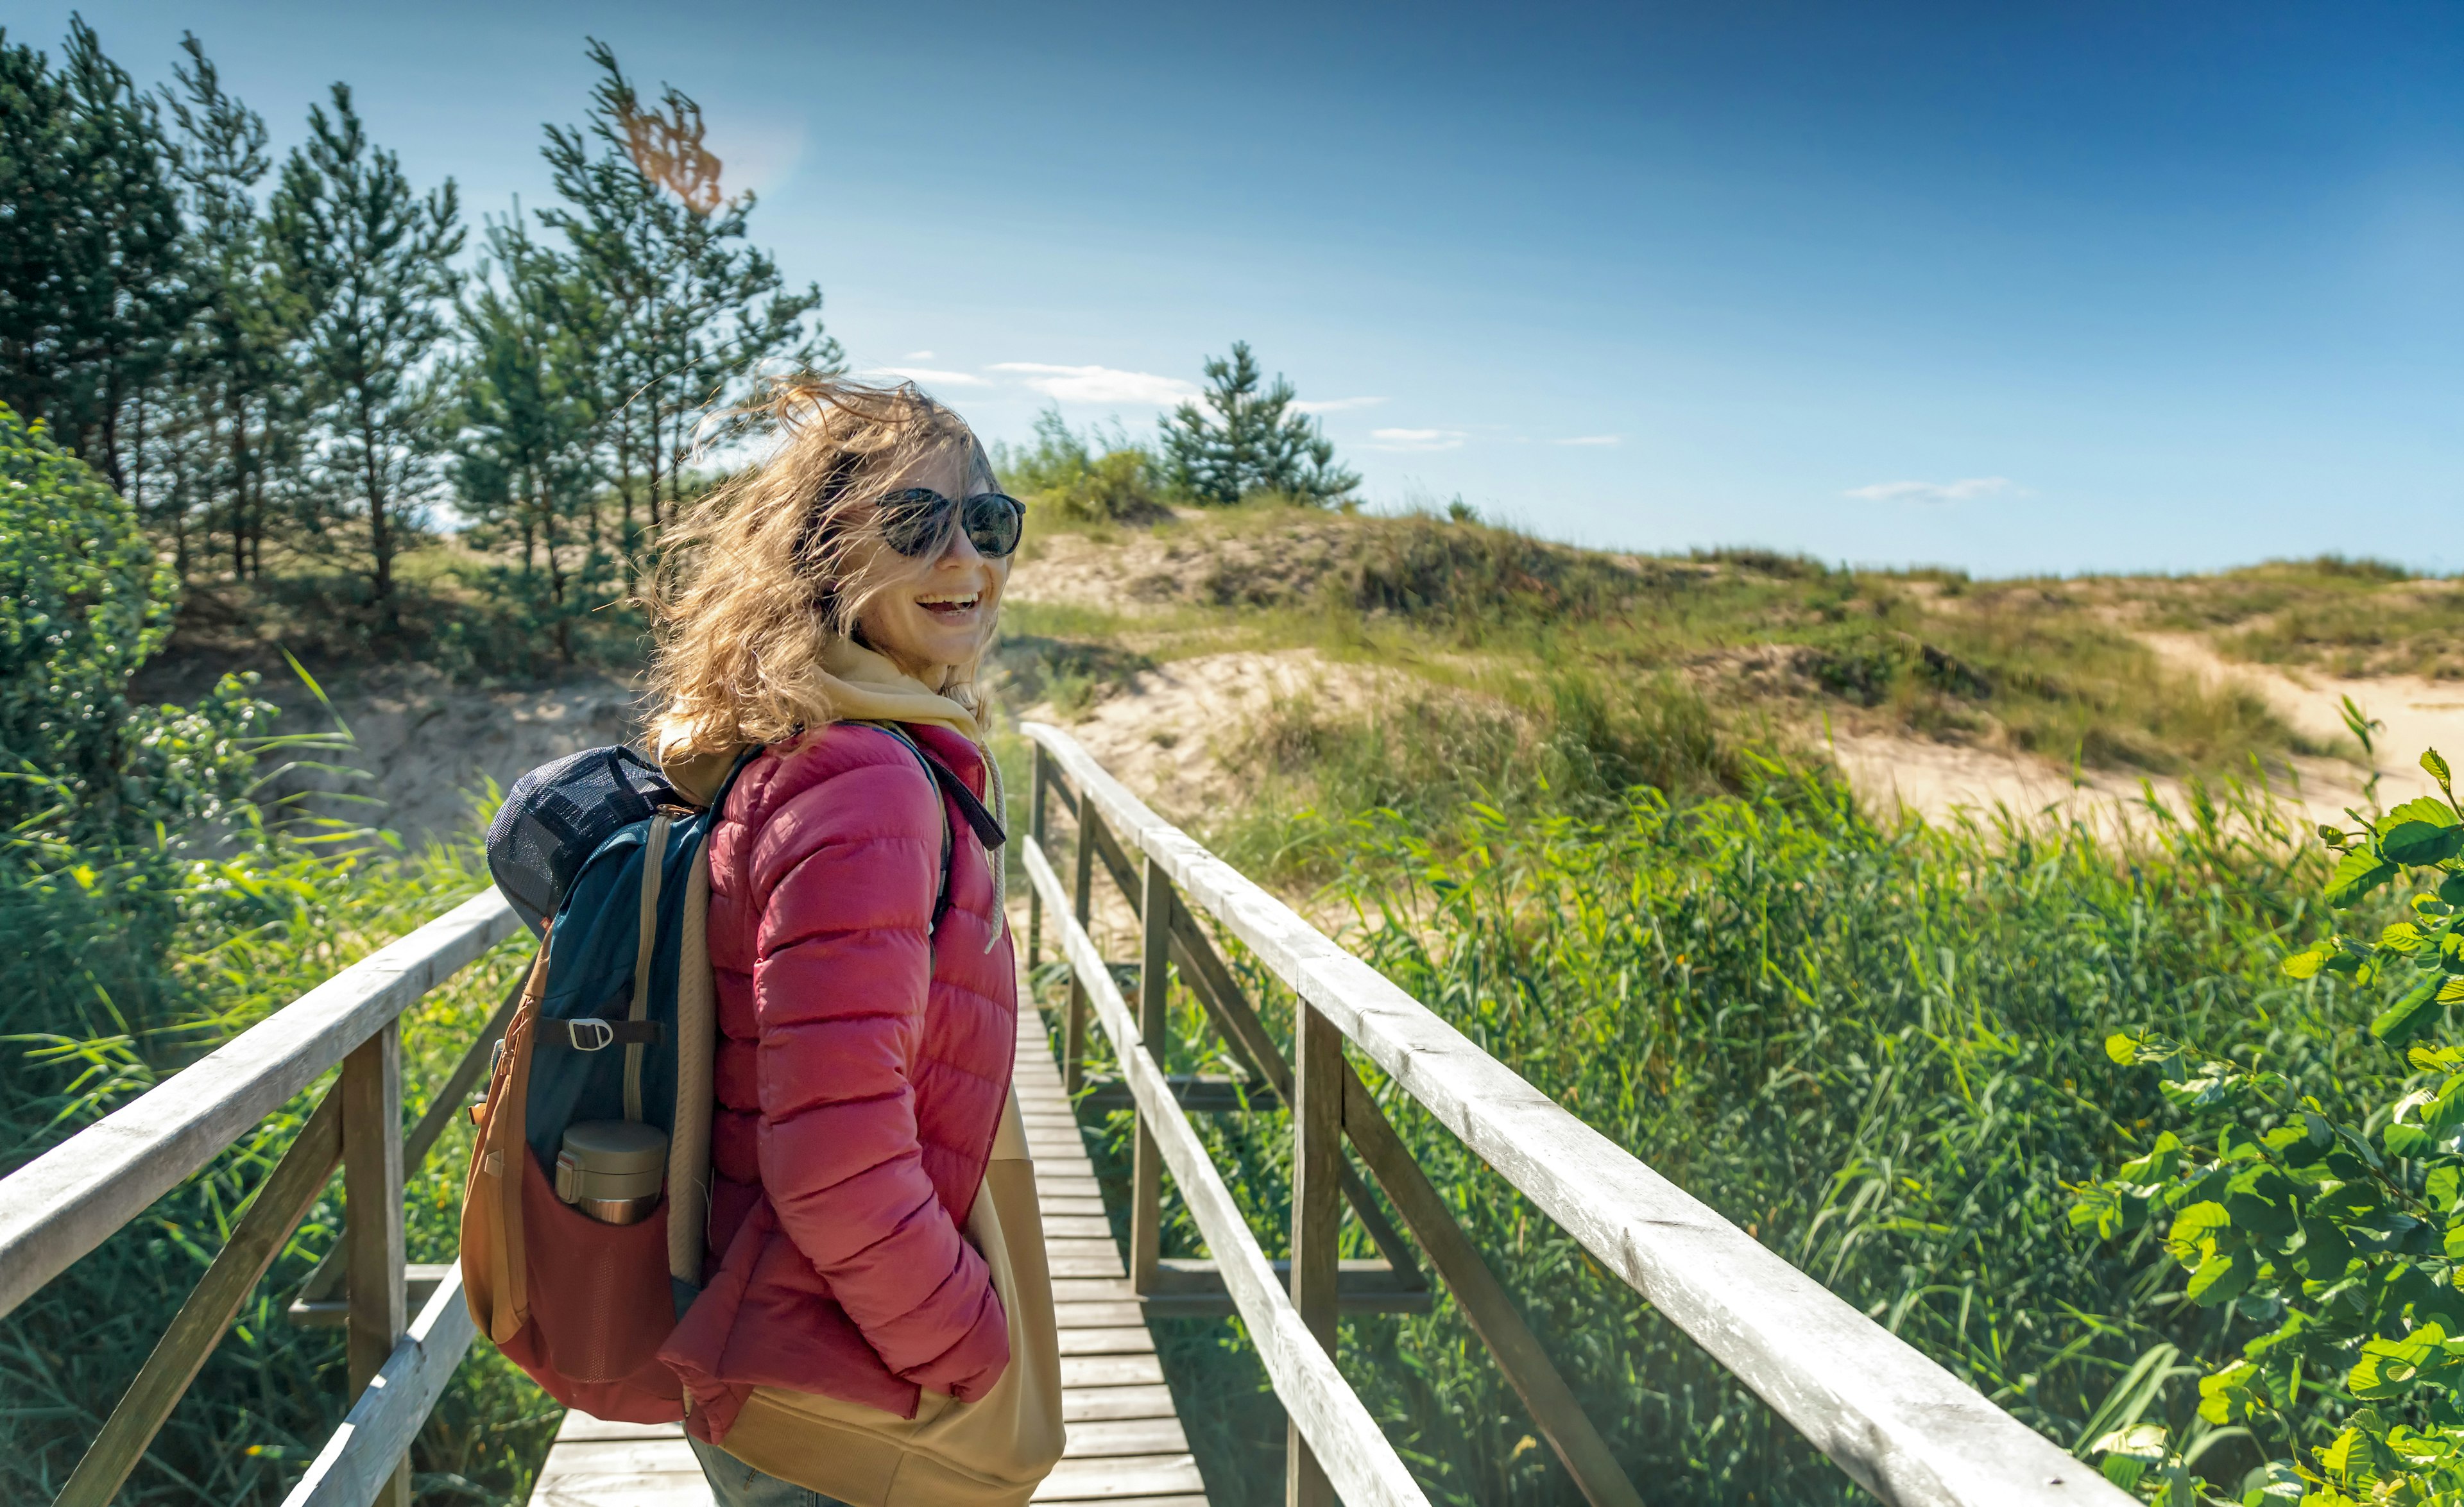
x=962 y=553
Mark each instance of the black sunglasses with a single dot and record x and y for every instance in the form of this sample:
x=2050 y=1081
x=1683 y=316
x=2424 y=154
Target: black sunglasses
x=914 y=521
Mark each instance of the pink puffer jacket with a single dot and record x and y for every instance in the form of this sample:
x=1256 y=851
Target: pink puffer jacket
x=863 y=1061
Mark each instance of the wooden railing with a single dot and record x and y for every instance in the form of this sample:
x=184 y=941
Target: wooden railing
x=68 y=1200
x=1902 y=1427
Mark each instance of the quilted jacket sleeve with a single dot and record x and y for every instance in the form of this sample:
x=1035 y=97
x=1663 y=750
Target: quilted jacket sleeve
x=845 y=868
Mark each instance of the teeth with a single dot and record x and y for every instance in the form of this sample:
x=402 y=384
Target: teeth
x=967 y=600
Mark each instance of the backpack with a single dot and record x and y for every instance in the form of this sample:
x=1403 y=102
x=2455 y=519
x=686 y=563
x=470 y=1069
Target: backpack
x=583 y=1210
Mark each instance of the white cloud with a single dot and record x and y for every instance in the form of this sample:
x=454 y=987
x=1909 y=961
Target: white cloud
x=916 y=356
x=1337 y=404
x=932 y=377
x=1416 y=439
x=1591 y=439
x=1965 y=490
x=1099 y=384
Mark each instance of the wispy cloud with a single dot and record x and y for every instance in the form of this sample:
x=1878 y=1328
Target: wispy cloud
x=1416 y=439
x=1099 y=384
x=1591 y=439
x=1337 y=404
x=934 y=376
x=916 y=356
x=1966 y=488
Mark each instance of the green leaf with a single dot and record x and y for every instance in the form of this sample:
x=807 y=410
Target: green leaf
x=2436 y=766
x=2306 y=963
x=2221 y=1278
x=2325 y=1252
x=2402 y=936
x=2357 y=873
x=2229 y=1395
x=2420 y=842
x=2421 y=808
x=2450 y=889
x=2409 y=1016
x=2441 y=1186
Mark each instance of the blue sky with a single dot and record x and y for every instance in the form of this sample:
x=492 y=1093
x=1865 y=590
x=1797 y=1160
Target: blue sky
x=2019 y=288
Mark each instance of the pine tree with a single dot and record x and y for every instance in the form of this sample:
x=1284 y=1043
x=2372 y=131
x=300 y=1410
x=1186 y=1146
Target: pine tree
x=369 y=264
x=91 y=270
x=694 y=314
x=1253 y=442
x=222 y=416
x=527 y=466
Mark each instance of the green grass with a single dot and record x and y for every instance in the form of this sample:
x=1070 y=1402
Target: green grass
x=2053 y=668
x=238 y=941
x=1877 y=1050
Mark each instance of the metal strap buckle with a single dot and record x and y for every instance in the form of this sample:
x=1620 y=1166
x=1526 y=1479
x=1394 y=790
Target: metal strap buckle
x=604 y=1034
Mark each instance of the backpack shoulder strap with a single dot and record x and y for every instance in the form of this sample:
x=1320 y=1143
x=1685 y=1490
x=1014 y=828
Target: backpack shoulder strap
x=933 y=772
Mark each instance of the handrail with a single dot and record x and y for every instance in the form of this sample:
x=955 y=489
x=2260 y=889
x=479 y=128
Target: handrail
x=73 y=1197
x=1356 y=1455
x=64 y=1202
x=1901 y=1425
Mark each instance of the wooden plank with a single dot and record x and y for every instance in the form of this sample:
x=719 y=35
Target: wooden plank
x=1115 y=1339
x=1127 y=1437
x=372 y=1218
x=70 y=1199
x=280 y=1202
x=580 y=1425
x=1099 y=1315
x=1113 y=1479
x=1092 y=1227
x=1357 y=1457
x=1901 y=1425
x=1090 y=1404
x=1110 y=1371
x=1174 y=1499
x=366 y=1453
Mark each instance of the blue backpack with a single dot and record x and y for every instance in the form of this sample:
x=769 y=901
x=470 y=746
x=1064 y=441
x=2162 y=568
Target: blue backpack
x=583 y=1211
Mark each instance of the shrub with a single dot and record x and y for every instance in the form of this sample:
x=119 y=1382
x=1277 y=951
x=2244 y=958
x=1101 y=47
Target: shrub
x=2325 y=1232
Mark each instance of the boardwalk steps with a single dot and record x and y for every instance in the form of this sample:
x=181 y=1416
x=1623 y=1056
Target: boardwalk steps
x=1126 y=1445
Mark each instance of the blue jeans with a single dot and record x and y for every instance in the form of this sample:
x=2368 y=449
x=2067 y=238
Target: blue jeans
x=737 y=1484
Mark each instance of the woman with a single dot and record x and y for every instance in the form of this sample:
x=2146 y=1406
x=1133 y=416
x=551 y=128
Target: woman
x=832 y=608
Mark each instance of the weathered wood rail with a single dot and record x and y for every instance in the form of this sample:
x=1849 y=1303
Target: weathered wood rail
x=1902 y=1427
x=73 y=1197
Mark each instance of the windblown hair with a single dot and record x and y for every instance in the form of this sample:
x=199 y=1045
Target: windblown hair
x=761 y=574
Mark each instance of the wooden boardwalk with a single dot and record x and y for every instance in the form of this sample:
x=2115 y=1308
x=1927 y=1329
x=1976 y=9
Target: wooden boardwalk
x=1125 y=1446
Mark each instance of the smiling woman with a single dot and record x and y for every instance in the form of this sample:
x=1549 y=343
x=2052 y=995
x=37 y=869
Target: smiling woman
x=819 y=624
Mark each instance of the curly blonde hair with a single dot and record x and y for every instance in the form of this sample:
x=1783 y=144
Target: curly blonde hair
x=757 y=578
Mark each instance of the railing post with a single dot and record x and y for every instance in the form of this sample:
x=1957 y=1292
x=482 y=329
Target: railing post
x=372 y=1216
x=1081 y=900
x=1317 y=1208
x=1154 y=982
x=1036 y=827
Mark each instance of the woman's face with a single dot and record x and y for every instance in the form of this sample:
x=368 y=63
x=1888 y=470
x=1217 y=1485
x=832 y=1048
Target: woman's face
x=935 y=611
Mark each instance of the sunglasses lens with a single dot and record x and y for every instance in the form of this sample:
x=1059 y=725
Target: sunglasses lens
x=910 y=520
x=994 y=523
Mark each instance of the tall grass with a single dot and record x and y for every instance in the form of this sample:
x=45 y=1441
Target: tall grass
x=96 y=1016
x=1875 y=1050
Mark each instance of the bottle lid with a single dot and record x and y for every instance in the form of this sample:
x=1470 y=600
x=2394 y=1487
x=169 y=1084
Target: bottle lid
x=616 y=1145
